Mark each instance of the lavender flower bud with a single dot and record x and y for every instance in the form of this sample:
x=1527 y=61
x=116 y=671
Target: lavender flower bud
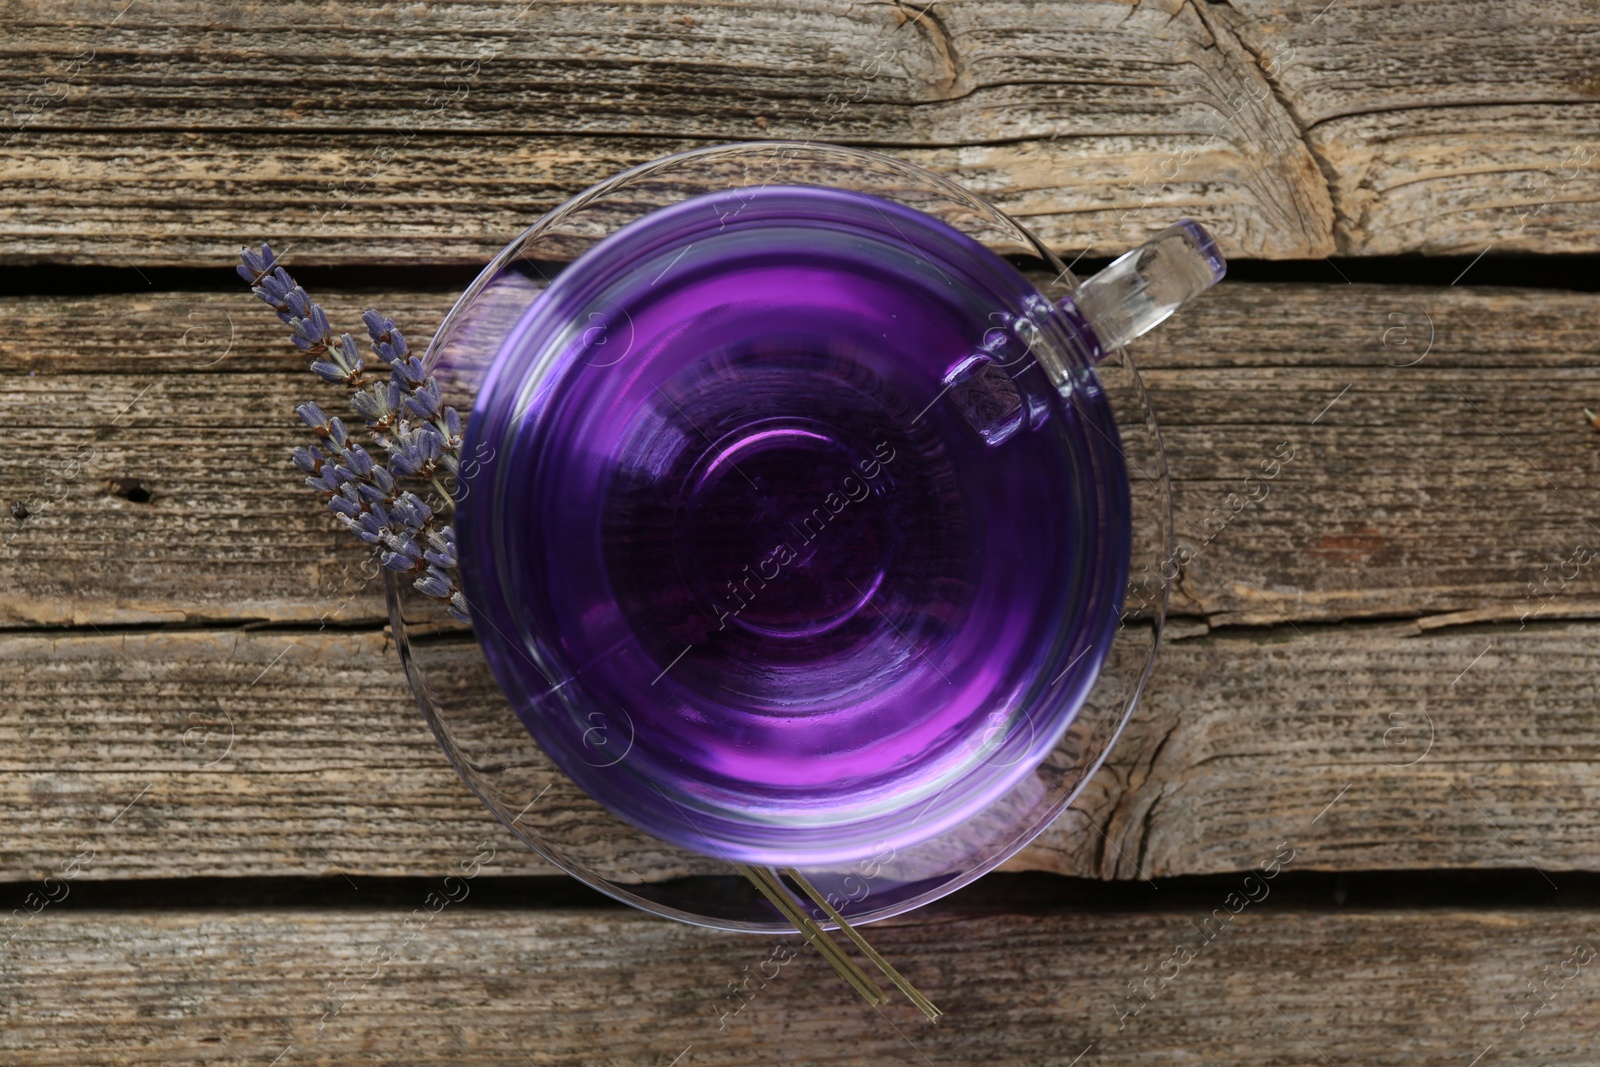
x=432 y=440
x=274 y=285
x=387 y=342
x=324 y=481
x=300 y=305
x=402 y=554
x=328 y=372
x=371 y=494
x=253 y=265
x=441 y=551
x=408 y=372
x=279 y=290
x=434 y=584
x=458 y=607
x=355 y=458
x=355 y=527
x=378 y=404
x=380 y=514
x=407 y=461
x=416 y=452
x=349 y=358
x=411 y=511
x=425 y=401
x=411 y=453
x=307 y=460
x=340 y=506
x=395 y=348
x=367 y=527
x=312 y=331
x=313 y=416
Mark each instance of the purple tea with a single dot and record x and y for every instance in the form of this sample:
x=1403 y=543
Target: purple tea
x=801 y=528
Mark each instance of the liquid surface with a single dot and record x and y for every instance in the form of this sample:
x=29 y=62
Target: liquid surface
x=788 y=549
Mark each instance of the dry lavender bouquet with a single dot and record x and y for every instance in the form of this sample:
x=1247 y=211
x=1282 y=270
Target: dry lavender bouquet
x=401 y=408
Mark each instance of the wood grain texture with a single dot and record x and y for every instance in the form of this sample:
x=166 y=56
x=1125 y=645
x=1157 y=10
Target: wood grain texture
x=1441 y=127
x=172 y=132
x=278 y=753
x=1456 y=488
x=1276 y=986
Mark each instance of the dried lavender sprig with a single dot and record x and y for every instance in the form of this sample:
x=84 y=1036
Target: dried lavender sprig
x=367 y=500
x=344 y=365
x=364 y=495
x=307 y=322
x=418 y=395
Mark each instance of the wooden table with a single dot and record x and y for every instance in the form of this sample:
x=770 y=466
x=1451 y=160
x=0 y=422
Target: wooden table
x=1389 y=666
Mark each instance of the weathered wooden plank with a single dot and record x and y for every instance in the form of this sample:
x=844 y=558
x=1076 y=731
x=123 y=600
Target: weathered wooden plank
x=1442 y=459
x=1456 y=487
x=432 y=133
x=274 y=753
x=1441 y=127
x=188 y=398
x=476 y=118
x=1276 y=985
x=1378 y=747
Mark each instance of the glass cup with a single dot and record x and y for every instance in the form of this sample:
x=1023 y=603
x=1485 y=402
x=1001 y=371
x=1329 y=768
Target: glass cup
x=799 y=527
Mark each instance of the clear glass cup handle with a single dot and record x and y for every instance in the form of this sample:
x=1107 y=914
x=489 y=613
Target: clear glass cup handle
x=1141 y=288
